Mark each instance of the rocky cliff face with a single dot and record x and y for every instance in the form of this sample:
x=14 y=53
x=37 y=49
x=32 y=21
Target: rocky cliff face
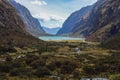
x=106 y=20
x=74 y=19
x=102 y=22
x=32 y=25
x=12 y=28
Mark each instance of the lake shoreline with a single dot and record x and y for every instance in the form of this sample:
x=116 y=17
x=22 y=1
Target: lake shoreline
x=60 y=38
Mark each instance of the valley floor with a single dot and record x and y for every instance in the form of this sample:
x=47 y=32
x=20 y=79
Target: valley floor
x=65 y=60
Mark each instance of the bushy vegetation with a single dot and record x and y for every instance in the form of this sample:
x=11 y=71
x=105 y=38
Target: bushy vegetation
x=112 y=43
x=114 y=77
x=4 y=49
x=38 y=65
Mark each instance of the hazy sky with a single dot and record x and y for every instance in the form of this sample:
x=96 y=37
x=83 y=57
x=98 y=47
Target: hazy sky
x=52 y=13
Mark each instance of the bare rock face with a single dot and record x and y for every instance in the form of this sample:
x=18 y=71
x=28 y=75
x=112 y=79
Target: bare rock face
x=32 y=24
x=12 y=28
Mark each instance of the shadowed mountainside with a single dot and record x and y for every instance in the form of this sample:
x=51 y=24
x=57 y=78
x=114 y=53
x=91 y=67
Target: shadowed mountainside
x=101 y=23
x=12 y=28
x=74 y=19
x=32 y=24
x=97 y=22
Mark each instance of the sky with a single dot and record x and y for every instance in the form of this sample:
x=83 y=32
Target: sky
x=53 y=13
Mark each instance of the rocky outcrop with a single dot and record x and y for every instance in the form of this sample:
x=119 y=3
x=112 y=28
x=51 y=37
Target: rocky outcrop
x=32 y=24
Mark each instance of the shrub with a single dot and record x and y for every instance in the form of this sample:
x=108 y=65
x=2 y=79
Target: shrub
x=40 y=62
x=18 y=64
x=76 y=74
x=52 y=66
x=88 y=70
x=99 y=68
x=9 y=59
x=22 y=72
x=114 y=77
x=3 y=76
x=5 y=67
x=30 y=58
x=42 y=72
x=4 y=49
x=68 y=67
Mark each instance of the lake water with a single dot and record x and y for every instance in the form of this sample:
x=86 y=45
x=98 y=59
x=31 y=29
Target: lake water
x=58 y=38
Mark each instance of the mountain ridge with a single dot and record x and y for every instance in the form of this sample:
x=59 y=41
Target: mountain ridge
x=52 y=31
x=73 y=19
x=12 y=28
x=33 y=26
x=101 y=23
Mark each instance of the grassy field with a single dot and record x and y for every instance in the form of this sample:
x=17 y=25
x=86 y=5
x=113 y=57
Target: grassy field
x=55 y=60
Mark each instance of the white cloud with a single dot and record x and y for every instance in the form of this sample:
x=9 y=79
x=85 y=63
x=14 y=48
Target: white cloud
x=38 y=2
x=48 y=17
x=56 y=12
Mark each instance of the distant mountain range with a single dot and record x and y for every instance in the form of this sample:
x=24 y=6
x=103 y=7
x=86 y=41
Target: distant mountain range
x=52 y=31
x=32 y=24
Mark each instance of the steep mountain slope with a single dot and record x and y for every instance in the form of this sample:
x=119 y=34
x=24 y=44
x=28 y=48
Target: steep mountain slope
x=52 y=31
x=32 y=25
x=12 y=28
x=106 y=20
x=102 y=22
x=73 y=20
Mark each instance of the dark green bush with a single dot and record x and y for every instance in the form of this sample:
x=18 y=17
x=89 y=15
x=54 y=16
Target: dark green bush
x=42 y=72
x=40 y=62
x=115 y=77
x=68 y=67
x=30 y=58
x=9 y=59
x=5 y=49
x=52 y=66
x=3 y=76
x=18 y=64
x=100 y=68
x=76 y=74
x=5 y=67
x=88 y=70
x=22 y=72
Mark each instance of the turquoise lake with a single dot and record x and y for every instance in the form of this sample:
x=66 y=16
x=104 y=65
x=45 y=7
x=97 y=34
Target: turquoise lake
x=57 y=38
